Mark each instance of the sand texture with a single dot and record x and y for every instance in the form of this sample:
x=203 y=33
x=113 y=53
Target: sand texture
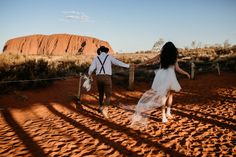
x=45 y=122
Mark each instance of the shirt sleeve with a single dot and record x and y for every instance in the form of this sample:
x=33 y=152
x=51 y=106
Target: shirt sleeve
x=119 y=63
x=92 y=67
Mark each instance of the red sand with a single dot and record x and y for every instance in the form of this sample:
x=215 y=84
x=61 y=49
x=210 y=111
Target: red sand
x=44 y=122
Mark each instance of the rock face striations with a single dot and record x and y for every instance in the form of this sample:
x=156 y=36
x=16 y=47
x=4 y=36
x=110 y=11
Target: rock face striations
x=55 y=44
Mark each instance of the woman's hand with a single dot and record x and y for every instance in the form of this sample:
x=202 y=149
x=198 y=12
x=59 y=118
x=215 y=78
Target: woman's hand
x=187 y=74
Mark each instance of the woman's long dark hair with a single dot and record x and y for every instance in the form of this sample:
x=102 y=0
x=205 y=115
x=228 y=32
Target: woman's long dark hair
x=169 y=55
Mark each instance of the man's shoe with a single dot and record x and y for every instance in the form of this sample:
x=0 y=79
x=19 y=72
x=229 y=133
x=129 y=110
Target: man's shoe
x=100 y=109
x=105 y=113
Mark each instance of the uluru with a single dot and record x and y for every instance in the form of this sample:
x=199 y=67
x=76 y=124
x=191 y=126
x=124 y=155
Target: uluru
x=55 y=44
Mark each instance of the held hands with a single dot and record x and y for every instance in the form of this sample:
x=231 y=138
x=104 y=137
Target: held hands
x=134 y=66
x=138 y=65
x=141 y=64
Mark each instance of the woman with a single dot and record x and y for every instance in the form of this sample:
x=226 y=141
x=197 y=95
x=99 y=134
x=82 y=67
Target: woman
x=164 y=83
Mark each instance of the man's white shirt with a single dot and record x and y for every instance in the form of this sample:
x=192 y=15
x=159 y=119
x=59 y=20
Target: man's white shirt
x=96 y=64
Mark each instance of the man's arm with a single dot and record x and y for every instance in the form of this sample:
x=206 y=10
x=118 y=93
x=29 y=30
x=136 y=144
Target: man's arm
x=119 y=63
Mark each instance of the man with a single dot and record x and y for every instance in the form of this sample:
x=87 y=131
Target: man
x=103 y=65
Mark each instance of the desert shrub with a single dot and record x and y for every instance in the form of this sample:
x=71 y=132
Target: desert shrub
x=223 y=51
x=120 y=78
x=145 y=75
x=65 y=68
x=204 y=58
x=62 y=68
x=136 y=61
x=185 y=65
x=230 y=65
x=34 y=69
x=30 y=70
x=83 y=67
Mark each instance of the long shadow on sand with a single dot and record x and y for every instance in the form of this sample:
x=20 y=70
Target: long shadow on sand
x=205 y=120
x=31 y=145
x=191 y=116
x=137 y=135
x=93 y=133
x=205 y=114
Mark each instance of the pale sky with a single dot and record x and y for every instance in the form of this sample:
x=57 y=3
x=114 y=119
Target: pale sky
x=128 y=25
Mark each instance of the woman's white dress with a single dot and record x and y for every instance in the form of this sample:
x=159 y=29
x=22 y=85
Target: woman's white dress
x=164 y=81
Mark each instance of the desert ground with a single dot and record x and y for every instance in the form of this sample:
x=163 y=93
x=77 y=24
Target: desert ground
x=45 y=122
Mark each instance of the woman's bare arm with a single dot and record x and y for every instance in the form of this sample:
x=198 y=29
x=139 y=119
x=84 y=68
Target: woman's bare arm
x=181 y=71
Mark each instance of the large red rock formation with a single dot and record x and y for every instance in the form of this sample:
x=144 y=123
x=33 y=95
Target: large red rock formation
x=55 y=44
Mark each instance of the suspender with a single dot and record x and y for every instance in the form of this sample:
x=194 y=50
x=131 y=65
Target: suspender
x=102 y=68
